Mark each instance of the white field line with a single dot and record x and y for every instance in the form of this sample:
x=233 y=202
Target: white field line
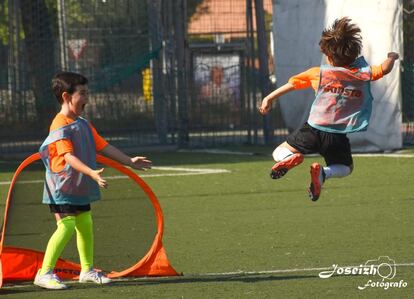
x=231 y=274
x=241 y=273
x=386 y=155
x=396 y=154
x=280 y=271
x=216 y=151
x=180 y=172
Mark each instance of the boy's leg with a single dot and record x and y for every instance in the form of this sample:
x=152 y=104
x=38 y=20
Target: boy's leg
x=85 y=244
x=337 y=171
x=290 y=153
x=84 y=240
x=320 y=174
x=286 y=157
x=57 y=242
x=336 y=150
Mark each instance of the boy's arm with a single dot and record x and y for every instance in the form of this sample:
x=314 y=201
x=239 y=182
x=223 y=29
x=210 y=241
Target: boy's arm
x=388 y=63
x=140 y=163
x=306 y=79
x=267 y=101
x=78 y=165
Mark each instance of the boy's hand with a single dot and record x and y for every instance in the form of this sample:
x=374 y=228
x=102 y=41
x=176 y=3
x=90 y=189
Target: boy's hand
x=96 y=176
x=388 y=63
x=274 y=96
x=265 y=107
x=393 y=55
x=140 y=163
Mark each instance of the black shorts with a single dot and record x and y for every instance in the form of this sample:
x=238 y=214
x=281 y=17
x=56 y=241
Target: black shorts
x=68 y=209
x=333 y=147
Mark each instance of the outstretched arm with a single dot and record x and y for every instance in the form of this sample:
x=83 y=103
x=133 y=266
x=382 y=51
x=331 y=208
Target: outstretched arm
x=140 y=163
x=388 y=64
x=267 y=101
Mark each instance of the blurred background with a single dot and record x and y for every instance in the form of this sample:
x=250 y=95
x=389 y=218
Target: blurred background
x=181 y=73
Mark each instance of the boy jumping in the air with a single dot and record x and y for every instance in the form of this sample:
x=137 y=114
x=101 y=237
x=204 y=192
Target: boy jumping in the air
x=343 y=104
x=72 y=180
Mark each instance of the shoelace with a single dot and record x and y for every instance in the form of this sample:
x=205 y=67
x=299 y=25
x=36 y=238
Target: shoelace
x=55 y=277
x=97 y=276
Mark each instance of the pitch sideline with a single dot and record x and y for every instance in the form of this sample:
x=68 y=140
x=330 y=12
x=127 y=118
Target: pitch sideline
x=181 y=171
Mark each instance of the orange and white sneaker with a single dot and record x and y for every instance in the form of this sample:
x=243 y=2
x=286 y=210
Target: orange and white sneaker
x=282 y=167
x=317 y=179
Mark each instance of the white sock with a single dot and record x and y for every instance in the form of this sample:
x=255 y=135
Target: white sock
x=281 y=153
x=336 y=171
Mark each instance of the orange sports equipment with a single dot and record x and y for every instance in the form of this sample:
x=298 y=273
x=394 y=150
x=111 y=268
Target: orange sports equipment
x=282 y=167
x=315 y=186
x=128 y=239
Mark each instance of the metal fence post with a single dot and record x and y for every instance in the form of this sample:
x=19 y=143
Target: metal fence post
x=263 y=66
x=160 y=112
x=183 y=122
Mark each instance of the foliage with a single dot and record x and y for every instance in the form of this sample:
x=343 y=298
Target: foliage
x=195 y=5
x=4 y=20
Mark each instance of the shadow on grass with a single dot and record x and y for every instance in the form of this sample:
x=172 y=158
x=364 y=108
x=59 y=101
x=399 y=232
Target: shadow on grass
x=247 y=278
x=27 y=288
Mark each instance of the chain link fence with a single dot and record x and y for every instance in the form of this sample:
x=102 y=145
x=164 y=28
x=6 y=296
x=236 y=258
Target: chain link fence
x=187 y=73
x=153 y=79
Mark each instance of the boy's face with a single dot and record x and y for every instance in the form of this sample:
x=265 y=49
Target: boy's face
x=78 y=100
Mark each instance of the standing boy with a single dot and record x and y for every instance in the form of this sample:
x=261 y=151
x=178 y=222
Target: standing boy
x=72 y=180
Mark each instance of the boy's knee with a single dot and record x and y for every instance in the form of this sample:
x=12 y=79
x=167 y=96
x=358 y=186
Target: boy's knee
x=68 y=223
x=351 y=168
x=281 y=153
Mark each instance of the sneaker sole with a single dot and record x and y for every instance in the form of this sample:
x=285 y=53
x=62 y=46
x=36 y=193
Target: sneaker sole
x=278 y=173
x=51 y=288
x=95 y=282
x=311 y=195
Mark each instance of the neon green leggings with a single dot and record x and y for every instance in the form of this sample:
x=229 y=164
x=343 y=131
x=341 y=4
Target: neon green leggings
x=84 y=238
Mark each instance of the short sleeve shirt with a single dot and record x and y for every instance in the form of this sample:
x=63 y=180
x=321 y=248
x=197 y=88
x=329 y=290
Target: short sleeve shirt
x=58 y=149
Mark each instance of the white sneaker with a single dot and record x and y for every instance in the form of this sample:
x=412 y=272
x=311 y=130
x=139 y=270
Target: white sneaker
x=49 y=281
x=94 y=276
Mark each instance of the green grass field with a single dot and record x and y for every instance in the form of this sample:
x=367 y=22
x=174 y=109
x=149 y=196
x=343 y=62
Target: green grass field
x=242 y=235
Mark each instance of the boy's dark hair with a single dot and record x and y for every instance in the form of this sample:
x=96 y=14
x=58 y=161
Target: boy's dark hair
x=342 y=42
x=66 y=82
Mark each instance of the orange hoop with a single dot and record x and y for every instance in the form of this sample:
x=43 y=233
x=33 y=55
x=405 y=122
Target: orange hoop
x=154 y=263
